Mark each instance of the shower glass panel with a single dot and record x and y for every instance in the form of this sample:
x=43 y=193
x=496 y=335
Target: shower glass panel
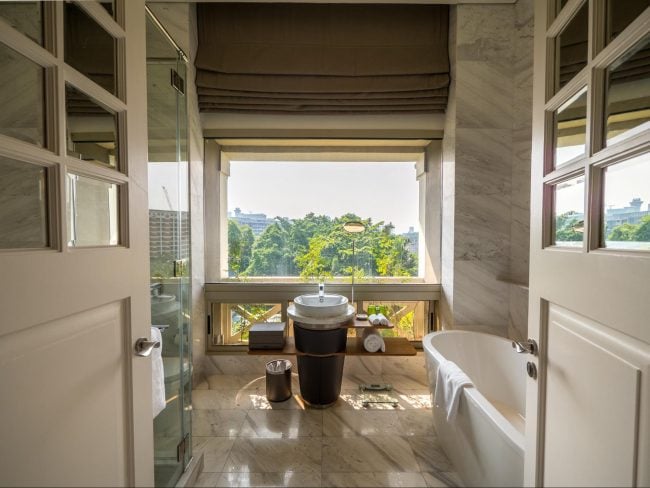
x=169 y=248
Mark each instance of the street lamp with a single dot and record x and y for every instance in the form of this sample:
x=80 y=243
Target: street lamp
x=354 y=227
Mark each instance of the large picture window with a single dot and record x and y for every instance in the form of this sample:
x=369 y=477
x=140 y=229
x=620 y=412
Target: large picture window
x=285 y=221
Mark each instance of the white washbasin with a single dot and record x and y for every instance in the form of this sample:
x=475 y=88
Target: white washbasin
x=310 y=312
x=317 y=307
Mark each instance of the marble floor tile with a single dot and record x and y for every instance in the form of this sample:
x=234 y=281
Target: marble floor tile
x=408 y=382
x=354 y=380
x=205 y=480
x=416 y=422
x=429 y=454
x=352 y=399
x=414 y=399
x=263 y=480
x=218 y=423
x=373 y=480
x=252 y=455
x=288 y=424
x=237 y=381
x=442 y=479
x=236 y=399
x=215 y=451
x=380 y=454
x=347 y=423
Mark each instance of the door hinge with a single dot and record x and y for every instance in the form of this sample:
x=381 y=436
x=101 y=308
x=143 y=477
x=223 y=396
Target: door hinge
x=181 y=448
x=177 y=82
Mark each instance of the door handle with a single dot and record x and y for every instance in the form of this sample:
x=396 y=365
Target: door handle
x=144 y=346
x=529 y=346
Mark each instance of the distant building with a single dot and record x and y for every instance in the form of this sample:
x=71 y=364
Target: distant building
x=169 y=233
x=413 y=238
x=256 y=221
x=625 y=215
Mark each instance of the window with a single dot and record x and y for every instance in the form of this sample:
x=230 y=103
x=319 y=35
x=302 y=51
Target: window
x=571 y=47
x=571 y=129
x=24 y=220
x=568 y=212
x=22 y=98
x=92 y=212
x=285 y=221
x=626 y=204
x=627 y=101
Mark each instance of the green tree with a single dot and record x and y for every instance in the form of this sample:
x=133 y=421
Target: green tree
x=566 y=227
x=623 y=232
x=642 y=232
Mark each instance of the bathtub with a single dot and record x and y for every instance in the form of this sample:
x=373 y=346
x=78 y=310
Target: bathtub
x=485 y=441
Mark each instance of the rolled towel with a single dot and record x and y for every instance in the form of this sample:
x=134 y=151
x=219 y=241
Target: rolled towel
x=450 y=382
x=157 y=374
x=373 y=341
x=374 y=319
x=382 y=319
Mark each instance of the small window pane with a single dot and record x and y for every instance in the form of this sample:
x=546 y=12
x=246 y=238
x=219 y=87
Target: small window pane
x=25 y=17
x=88 y=48
x=628 y=95
x=237 y=318
x=626 y=201
x=92 y=212
x=109 y=6
x=409 y=319
x=571 y=129
x=91 y=129
x=22 y=112
x=621 y=13
x=23 y=205
x=568 y=212
x=571 y=47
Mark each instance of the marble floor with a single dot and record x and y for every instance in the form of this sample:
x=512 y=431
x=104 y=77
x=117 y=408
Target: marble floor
x=248 y=441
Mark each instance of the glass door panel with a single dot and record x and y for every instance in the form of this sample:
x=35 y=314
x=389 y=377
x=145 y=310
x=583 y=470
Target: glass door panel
x=169 y=249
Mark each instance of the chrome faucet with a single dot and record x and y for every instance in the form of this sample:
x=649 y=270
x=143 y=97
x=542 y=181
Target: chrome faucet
x=321 y=292
x=529 y=346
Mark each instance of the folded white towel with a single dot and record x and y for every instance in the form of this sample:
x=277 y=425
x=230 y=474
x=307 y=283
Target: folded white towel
x=450 y=382
x=373 y=319
x=157 y=374
x=382 y=319
x=373 y=341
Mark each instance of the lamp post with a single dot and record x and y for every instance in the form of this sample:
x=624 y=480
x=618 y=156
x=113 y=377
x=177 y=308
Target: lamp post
x=354 y=227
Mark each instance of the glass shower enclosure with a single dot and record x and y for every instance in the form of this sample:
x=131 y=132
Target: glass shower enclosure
x=169 y=235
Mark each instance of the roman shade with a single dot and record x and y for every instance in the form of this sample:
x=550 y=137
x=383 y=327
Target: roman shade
x=322 y=58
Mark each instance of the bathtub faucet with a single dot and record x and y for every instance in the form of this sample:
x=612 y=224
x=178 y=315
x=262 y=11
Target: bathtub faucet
x=529 y=346
x=321 y=292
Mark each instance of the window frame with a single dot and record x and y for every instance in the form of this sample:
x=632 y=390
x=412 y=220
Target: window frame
x=597 y=154
x=53 y=156
x=219 y=152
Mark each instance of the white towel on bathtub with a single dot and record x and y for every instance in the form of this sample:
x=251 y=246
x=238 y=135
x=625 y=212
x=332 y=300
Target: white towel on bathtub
x=450 y=382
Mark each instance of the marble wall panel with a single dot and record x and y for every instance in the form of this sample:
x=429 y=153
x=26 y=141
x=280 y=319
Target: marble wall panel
x=484 y=93
x=485 y=33
x=486 y=158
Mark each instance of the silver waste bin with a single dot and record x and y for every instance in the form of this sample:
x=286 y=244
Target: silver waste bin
x=278 y=380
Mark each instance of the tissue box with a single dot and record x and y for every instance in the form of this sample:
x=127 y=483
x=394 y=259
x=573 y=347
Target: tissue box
x=267 y=335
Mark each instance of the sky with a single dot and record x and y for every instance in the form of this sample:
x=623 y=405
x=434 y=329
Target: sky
x=382 y=191
x=623 y=182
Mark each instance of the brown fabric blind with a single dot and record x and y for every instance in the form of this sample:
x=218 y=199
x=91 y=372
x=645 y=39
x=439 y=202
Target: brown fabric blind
x=321 y=58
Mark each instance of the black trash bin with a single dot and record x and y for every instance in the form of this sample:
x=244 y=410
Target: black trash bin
x=320 y=367
x=278 y=380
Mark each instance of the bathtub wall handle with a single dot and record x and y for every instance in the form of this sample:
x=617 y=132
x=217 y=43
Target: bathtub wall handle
x=529 y=346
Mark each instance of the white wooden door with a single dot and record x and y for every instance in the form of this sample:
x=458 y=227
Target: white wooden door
x=588 y=409
x=75 y=402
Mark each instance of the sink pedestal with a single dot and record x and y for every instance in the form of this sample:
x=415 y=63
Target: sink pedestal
x=320 y=371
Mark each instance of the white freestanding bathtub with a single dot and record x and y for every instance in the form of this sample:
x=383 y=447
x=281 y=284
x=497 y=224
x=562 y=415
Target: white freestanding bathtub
x=485 y=441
